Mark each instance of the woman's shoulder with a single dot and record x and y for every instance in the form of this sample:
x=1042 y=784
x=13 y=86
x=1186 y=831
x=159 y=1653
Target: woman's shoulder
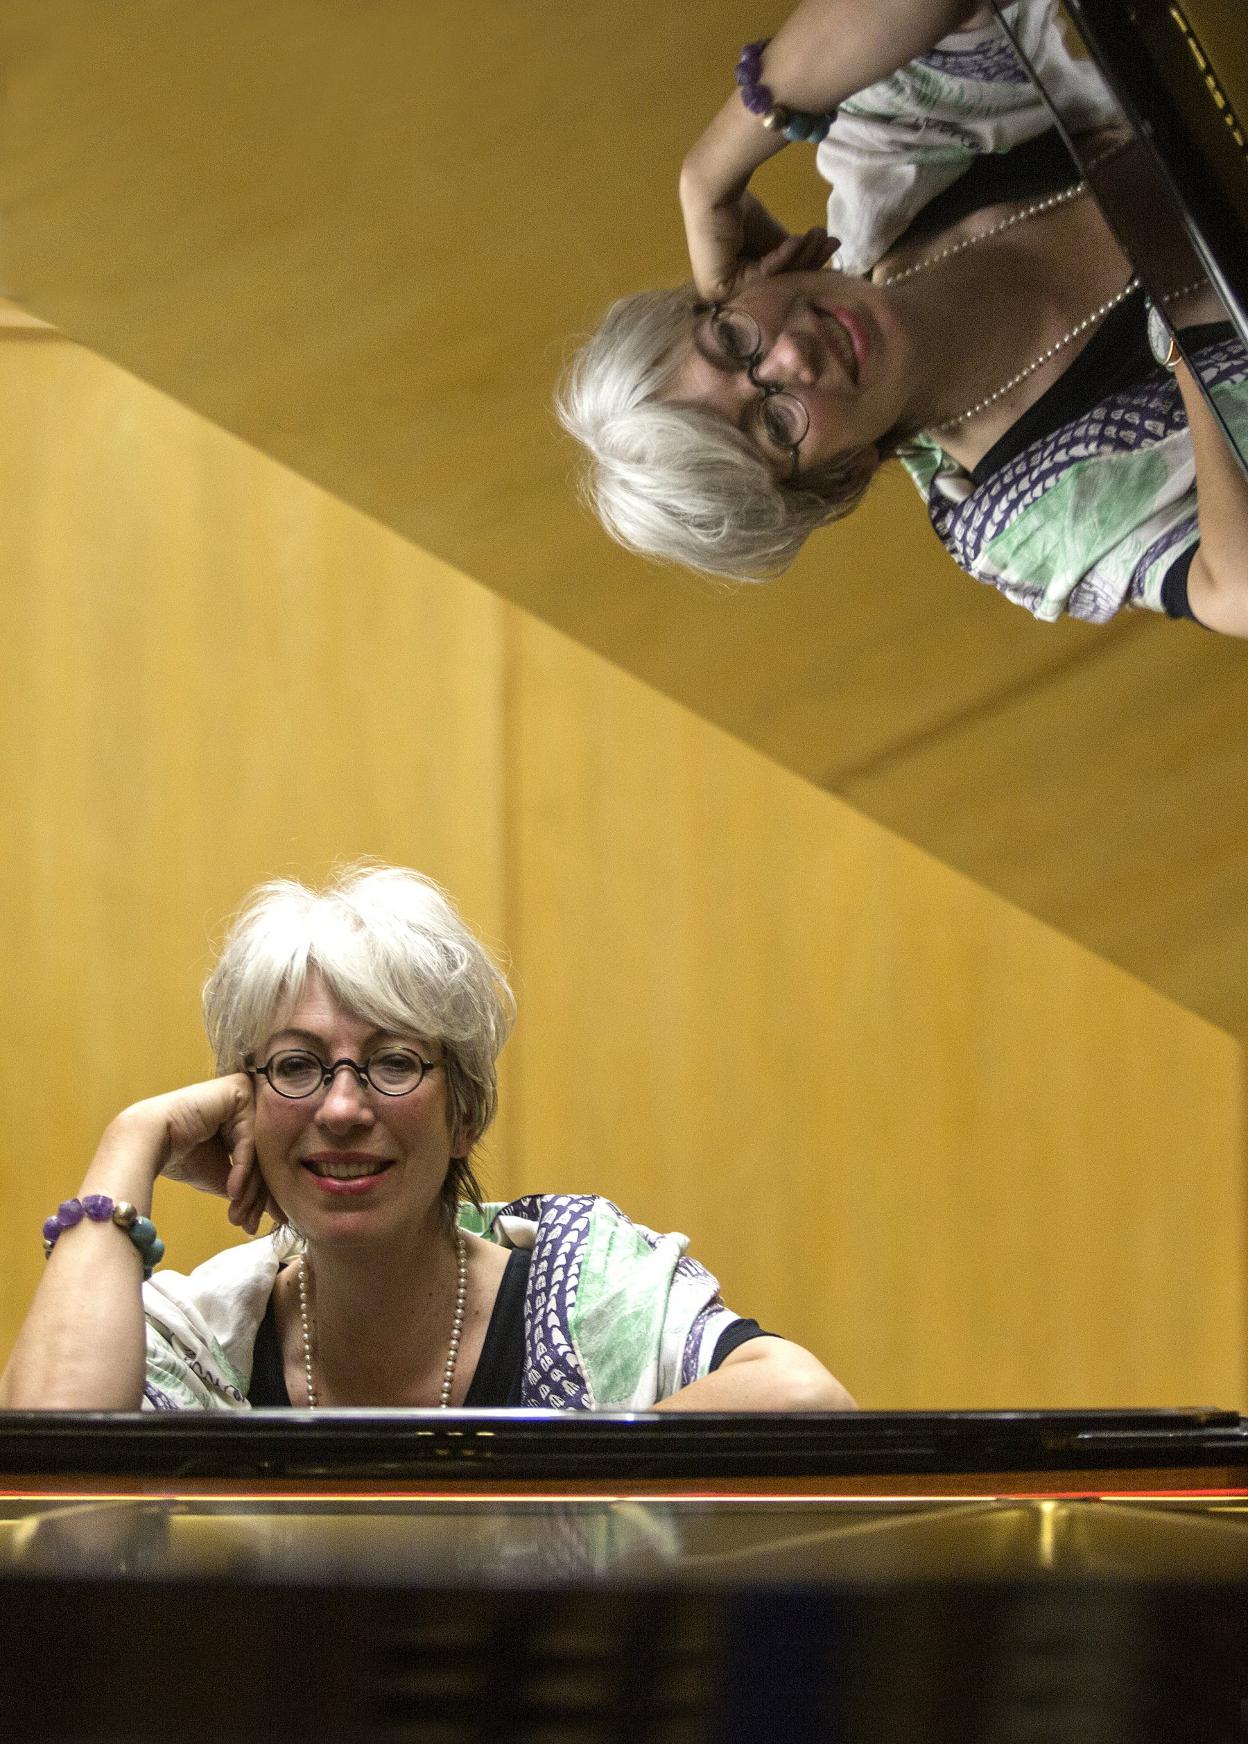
x=899 y=145
x=536 y=1219
x=619 y=1314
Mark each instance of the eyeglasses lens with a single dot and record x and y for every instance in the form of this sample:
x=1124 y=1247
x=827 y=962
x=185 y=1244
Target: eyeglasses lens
x=738 y=334
x=296 y=1074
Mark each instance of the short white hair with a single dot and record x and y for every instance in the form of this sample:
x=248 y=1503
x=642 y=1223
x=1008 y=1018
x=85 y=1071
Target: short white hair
x=391 y=948
x=676 y=482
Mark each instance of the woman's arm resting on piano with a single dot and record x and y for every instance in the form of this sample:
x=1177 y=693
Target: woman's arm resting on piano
x=764 y=1374
x=1217 y=582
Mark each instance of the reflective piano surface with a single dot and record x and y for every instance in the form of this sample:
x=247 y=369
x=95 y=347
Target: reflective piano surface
x=522 y=1575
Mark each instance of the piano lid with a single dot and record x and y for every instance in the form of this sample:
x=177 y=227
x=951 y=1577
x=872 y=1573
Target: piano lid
x=603 y=1446
x=1177 y=195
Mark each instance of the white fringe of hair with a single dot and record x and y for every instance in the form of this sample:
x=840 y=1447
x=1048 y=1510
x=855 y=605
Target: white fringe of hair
x=392 y=949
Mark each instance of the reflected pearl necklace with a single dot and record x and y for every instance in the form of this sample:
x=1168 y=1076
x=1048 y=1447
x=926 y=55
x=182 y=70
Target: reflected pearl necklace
x=1035 y=210
x=1036 y=363
x=457 y=1324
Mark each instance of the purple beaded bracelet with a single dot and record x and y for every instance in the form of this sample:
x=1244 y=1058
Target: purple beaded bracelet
x=99 y=1208
x=794 y=124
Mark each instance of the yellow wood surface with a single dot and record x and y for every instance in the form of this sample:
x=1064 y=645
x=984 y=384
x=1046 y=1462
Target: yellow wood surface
x=964 y=1159
x=361 y=237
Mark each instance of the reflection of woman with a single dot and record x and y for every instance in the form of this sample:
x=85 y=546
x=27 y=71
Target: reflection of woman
x=357 y=1032
x=982 y=326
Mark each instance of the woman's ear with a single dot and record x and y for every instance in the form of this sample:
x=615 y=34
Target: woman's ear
x=463 y=1138
x=842 y=481
x=853 y=469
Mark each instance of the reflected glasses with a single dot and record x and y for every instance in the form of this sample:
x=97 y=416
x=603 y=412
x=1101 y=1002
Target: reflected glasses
x=782 y=418
x=296 y=1072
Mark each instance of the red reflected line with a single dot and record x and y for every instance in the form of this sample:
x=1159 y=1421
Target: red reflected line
x=497 y=1497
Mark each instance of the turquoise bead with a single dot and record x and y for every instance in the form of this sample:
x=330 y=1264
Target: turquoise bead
x=143 y=1233
x=155 y=1253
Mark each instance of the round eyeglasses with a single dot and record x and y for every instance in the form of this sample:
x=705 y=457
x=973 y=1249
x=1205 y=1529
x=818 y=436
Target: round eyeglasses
x=296 y=1072
x=782 y=418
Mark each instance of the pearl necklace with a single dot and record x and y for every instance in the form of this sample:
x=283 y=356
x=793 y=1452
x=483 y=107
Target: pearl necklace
x=1035 y=210
x=1036 y=363
x=457 y=1325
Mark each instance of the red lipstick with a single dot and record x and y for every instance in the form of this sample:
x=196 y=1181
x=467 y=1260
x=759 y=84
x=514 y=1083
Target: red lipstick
x=857 y=338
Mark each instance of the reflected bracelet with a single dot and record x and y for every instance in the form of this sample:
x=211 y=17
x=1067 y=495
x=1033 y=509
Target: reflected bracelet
x=99 y=1208
x=794 y=124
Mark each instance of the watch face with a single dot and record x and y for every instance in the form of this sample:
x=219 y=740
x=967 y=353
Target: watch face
x=1160 y=339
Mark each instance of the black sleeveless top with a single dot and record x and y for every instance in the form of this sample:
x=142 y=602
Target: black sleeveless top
x=1118 y=354
x=500 y=1368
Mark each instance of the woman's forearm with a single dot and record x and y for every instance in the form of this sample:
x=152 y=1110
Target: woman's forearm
x=826 y=50
x=1217 y=583
x=81 y=1346
x=766 y=1374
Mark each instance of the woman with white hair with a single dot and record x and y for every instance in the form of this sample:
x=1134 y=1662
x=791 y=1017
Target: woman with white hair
x=978 y=323
x=356 y=1032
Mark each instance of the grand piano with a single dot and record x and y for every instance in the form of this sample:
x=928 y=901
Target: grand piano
x=356 y=1575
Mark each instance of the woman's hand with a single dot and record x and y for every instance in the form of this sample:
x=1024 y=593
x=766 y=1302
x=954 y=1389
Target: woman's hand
x=212 y=1146
x=204 y=1136
x=726 y=228
x=805 y=253
x=735 y=238
x=825 y=51
x=765 y=1374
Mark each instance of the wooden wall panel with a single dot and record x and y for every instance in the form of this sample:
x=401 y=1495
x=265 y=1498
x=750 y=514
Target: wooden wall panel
x=965 y=1159
x=1160 y=825
x=362 y=238
x=211 y=673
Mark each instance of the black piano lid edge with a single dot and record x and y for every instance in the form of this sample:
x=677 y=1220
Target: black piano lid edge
x=364 y=1445
x=1129 y=69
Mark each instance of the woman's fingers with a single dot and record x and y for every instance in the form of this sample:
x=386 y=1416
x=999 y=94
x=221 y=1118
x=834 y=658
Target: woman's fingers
x=761 y=232
x=247 y=1203
x=237 y=1183
x=810 y=249
x=209 y=1126
x=245 y=1185
x=815 y=249
x=727 y=235
x=779 y=259
x=821 y=248
x=199 y=1114
x=804 y=253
